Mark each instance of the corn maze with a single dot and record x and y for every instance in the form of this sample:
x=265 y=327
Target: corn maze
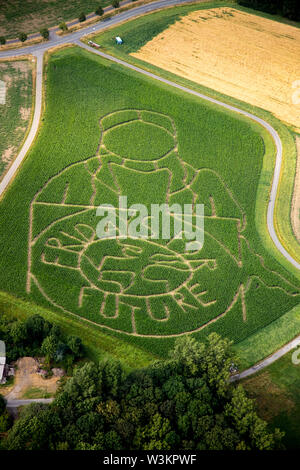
x=142 y=287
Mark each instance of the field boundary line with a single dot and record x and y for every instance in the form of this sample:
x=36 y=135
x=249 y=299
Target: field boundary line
x=295 y=210
x=74 y=38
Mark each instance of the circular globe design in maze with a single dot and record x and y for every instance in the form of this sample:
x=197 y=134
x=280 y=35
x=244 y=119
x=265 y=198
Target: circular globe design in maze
x=140 y=287
x=132 y=268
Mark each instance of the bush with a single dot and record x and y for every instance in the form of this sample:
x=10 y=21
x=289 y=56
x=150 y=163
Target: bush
x=2 y=405
x=291 y=10
x=183 y=403
x=115 y=3
x=63 y=26
x=2 y=40
x=99 y=11
x=22 y=37
x=45 y=33
x=82 y=17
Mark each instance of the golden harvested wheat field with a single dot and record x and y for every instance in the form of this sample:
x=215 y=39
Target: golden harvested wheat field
x=241 y=55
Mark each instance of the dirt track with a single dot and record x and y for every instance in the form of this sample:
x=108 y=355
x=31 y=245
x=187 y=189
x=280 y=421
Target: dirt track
x=74 y=38
x=248 y=57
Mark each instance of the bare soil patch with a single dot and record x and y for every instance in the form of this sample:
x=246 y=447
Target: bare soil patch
x=248 y=57
x=27 y=378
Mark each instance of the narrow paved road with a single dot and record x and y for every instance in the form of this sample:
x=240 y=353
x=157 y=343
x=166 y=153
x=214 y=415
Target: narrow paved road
x=16 y=403
x=74 y=38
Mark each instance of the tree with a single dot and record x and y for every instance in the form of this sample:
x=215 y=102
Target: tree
x=212 y=360
x=23 y=37
x=115 y=3
x=250 y=427
x=155 y=435
x=112 y=377
x=37 y=428
x=2 y=40
x=63 y=26
x=288 y=8
x=6 y=421
x=291 y=9
x=188 y=354
x=49 y=347
x=44 y=33
x=99 y=11
x=82 y=17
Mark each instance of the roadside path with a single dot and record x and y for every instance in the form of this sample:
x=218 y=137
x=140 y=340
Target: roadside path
x=74 y=38
x=16 y=403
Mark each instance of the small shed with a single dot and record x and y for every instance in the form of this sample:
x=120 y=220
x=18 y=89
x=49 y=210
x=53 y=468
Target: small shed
x=119 y=40
x=2 y=361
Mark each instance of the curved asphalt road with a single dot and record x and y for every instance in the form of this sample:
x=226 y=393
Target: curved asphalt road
x=38 y=50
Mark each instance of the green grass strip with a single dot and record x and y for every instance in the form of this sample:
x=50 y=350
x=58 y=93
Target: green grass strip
x=269 y=339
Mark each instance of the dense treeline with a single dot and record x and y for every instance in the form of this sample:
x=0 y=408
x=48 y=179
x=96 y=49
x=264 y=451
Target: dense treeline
x=183 y=403
x=287 y=8
x=38 y=337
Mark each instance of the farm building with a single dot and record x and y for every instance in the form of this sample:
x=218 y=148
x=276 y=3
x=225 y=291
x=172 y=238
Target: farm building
x=2 y=360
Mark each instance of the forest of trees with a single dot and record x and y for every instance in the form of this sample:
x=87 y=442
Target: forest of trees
x=287 y=8
x=184 y=403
